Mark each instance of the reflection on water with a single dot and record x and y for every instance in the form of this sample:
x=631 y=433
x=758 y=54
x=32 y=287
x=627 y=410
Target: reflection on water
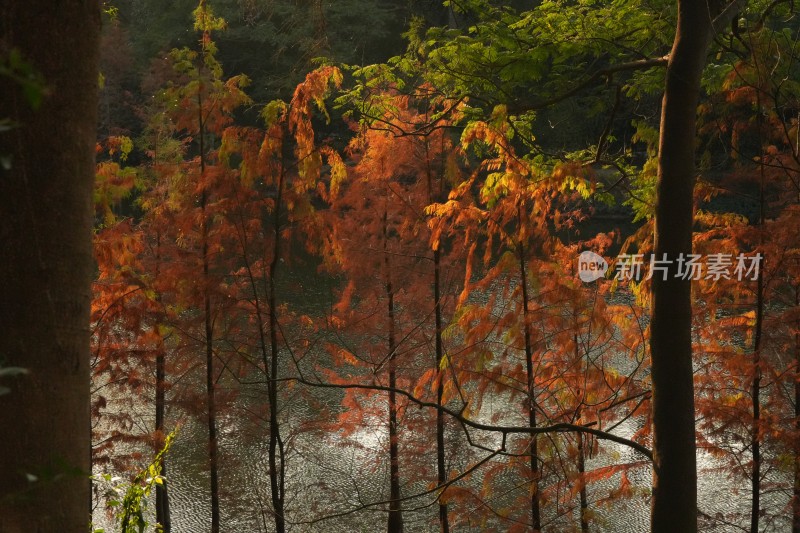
x=330 y=474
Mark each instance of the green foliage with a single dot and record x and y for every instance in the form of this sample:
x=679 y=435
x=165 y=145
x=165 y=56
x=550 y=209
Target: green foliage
x=558 y=76
x=205 y=20
x=10 y=371
x=128 y=501
x=114 y=182
x=643 y=191
x=551 y=47
x=273 y=111
x=110 y=10
x=29 y=80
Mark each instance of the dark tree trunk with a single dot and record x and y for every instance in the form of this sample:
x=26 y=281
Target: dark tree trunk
x=796 y=495
x=269 y=352
x=213 y=459
x=46 y=213
x=162 y=497
x=583 y=496
x=162 y=494
x=755 y=392
x=674 y=501
x=441 y=469
x=755 y=398
x=277 y=467
x=45 y=234
x=395 y=522
x=536 y=518
x=208 y=323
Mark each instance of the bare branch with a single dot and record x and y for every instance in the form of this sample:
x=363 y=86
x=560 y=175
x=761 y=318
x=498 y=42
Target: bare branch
x=560 y=427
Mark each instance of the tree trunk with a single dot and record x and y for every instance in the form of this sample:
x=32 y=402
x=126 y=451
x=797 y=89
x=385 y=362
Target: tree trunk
x=277 y=467
x=674 y=501
x=46 y=218
x=162 y=497
x=796 y=495
x=583 y=496
x=536 y=518
x=755 y=392
x=395 y=522
x=213 y=459
x=441 y=470
x=208 y=323
x=269 y=353
x=755 y=398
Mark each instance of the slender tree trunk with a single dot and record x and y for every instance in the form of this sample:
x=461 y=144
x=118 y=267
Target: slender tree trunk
x=162 y=497
x=755 y=393
x=755 y=437
x=674 y=501
x=213 y=460
x=796 y=495
x=536 y=519
x=583 y=496
x=46 y=221
x=395 y=522
x=584 y=499
x=277 y=467
x=441 y=469
x=208 y=322
x=269 y=353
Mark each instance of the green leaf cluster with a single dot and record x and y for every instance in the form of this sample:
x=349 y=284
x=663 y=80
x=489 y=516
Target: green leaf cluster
x=129 y=500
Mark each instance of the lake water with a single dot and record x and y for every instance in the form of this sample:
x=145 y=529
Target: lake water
x=330 y=474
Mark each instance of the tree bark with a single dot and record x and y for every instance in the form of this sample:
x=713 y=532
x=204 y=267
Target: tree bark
x=582 y=473
x=755 y=391
x=755 y=399
x=162 y=496
x=277 y=466
x=213 y=441
x=796 y=488
x=208 y=324
x=395 y=522
x=674 y=501
x=535 y=507
x=46 y=219
x=583 y=495
x=441 y=468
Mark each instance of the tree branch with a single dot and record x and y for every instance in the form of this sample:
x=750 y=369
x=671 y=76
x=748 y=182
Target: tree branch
x=594 y=78
x=560 y=427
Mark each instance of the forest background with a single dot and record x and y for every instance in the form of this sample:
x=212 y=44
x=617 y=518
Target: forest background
x=343 y=237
